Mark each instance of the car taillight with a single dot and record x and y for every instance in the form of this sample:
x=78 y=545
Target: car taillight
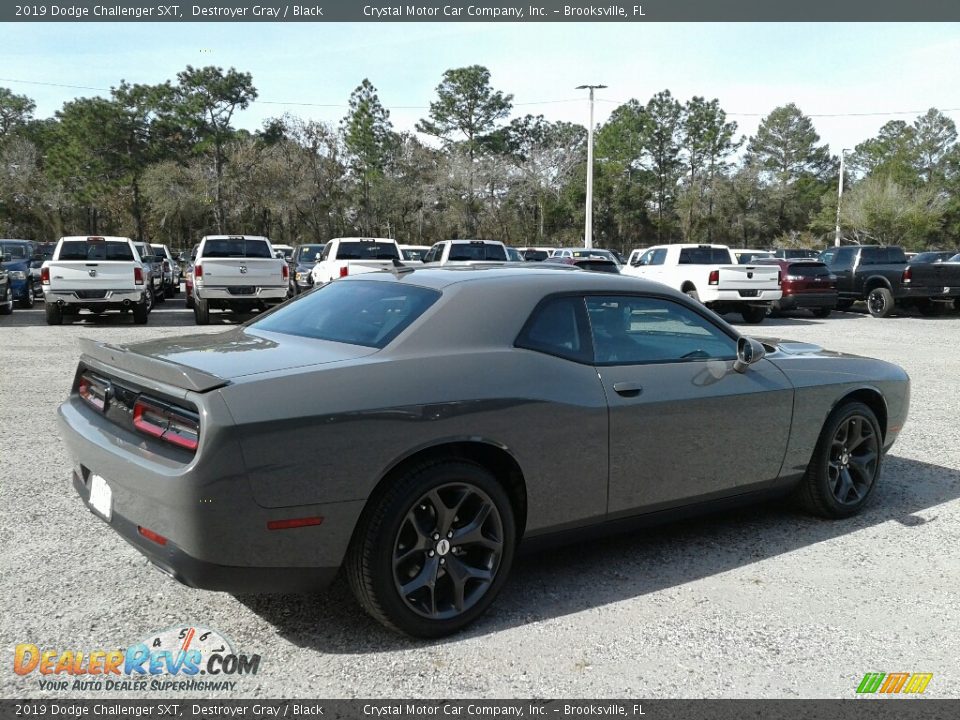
x=45 y=276
x=93 y=391
x=173 y=425
x=907 y=275
x=151 y=535
x=714 y=277
x=138 y=276
x=198 y=271
x=344 y=271
x=285 y=272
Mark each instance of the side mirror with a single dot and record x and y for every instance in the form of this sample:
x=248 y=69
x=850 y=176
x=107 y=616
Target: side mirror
x=749 y=351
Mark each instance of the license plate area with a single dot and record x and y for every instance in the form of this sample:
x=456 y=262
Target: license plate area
x=243 y=290
x=101 y=496
x=749 y=293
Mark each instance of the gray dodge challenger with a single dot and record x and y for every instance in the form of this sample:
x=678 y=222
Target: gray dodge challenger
x=413 y=427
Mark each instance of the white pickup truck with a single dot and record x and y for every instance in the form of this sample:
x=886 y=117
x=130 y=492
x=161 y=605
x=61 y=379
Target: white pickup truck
x=239 y=273
x=95 y=273
x=462 y=252
x=352 y=256
x=708 y=273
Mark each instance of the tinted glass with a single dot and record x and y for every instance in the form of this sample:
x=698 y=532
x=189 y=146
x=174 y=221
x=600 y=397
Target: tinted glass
x=749 y=257
x=95 y=250
x=357 y=312
x=16 y=251
x=808 y=269
x=555 y=327
x=308 y=253
x=236 y=247
x=597 y=265
x=704 y=256
x=158 y=250
x=357 y=250
x=894 y=255
x=629 y=330
x=476 y=251
x=535 y=255
x=602 y=254
x=413 y=254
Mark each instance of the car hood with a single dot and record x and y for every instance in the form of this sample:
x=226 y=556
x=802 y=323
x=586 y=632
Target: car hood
x=241 y=352
x=16 y=265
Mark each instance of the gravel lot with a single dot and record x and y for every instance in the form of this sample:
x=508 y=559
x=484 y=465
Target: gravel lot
x=762 y=602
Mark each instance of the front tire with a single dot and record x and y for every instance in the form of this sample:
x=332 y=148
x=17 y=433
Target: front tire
x=845 y=464
x=880 y=302
x=431 y=554
x=28 y=300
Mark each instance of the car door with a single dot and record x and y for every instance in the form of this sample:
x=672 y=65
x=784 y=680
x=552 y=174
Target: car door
x=840 y=262
x=683 y=423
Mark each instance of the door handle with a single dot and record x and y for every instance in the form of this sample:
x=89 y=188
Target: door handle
x=628 y=389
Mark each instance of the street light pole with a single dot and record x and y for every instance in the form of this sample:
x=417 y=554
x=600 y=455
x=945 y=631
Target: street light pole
x=588 y=224
x=843 y=154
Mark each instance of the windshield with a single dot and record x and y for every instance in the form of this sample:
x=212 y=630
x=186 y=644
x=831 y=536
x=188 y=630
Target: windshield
x=535 y=255
x=16 y=251
x=358 y=312
x=414 y=253
x=461 y=251
x=309 y=253
x=236 y=247
x=95 y=249
x=359 y=250
x=592 y=253
x=930 y=257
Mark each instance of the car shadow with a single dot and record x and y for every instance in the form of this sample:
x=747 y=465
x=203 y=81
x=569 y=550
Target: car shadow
x=551 y=584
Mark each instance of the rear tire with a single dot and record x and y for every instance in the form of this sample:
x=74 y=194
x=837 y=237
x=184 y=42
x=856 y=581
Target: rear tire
x=753 y=315
x=140 y=313
x=201 y=311
x=53 y=313
x=880 y=302
x=822 y=312
x=431 y=553
x=845 y=465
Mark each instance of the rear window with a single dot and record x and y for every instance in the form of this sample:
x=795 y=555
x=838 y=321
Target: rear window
x=808 y=269
x=602 y=254
x=357 y=250
x=159 y=250
x=95 y=250
x=16 y=251
x=704 y=256
x=357 y=312
x=535 y=255
x=597 y=264
x=236 y=247
x=476 y=251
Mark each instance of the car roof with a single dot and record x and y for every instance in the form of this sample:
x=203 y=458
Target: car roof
x=84 y=238
x=558 y=278
x=235 y=237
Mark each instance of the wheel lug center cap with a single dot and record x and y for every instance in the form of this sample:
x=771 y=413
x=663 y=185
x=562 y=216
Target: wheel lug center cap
x=845 y=458
x=443 y=547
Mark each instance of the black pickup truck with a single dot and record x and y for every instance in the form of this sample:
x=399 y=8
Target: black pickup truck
x=882 y=277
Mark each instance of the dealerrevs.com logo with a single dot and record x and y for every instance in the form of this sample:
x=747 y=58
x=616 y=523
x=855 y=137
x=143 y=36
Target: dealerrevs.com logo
x=188 y=658
x=894 y=683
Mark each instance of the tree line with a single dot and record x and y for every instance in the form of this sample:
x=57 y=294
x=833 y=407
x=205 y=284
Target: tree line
x=165 y=163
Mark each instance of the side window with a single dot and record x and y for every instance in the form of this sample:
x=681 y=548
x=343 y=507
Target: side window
x=872 y=256
x=557 y=326
x=645 y=259
x=326 y=252
x=658 y=257
x=630 y=330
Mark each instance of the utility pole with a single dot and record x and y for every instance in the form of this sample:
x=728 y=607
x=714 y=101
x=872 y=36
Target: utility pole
x=843 y=154
x=588 y=228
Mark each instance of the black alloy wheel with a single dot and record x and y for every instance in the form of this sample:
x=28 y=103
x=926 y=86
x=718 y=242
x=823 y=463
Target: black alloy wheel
x=854 y=455
x=447 y=551
x=6 y=305
x=433 y=548
x=880 y=302
x=845 y=465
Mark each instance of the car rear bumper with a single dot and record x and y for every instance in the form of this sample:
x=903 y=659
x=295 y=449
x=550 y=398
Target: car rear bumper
x=807 y=300
x=112 y=299
x=931 y=293
x=737 y=296
x=216 y=536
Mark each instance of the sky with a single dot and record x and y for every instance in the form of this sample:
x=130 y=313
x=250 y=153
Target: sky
x=859 y=73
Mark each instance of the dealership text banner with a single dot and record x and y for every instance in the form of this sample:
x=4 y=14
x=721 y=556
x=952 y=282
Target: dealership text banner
x=495 y=11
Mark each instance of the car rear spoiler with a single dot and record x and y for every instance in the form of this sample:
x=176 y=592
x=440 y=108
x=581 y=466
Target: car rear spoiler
x=180 y=376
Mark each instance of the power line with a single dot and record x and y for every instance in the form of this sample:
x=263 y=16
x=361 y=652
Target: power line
x=519 y=104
